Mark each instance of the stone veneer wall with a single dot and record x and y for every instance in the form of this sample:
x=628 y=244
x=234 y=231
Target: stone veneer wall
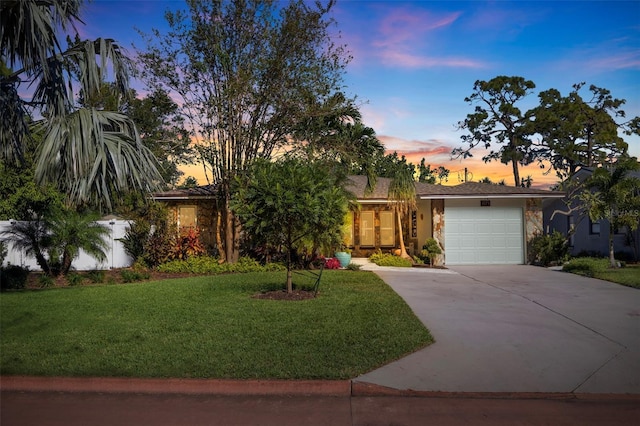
x=437 y=226
x=533 y=220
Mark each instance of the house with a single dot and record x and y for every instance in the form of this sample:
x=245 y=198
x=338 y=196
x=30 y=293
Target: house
x=586 y=236
x=192 y=208
x=474 y=223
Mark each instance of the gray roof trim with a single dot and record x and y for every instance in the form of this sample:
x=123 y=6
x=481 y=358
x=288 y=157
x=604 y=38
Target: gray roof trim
x=485 y=196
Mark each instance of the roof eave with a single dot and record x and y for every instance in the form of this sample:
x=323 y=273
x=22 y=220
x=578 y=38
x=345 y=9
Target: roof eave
x=470 y=196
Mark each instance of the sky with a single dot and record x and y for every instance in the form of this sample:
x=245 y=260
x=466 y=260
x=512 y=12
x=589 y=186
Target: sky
x=415 y=62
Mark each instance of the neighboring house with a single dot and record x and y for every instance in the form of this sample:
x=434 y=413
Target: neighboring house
x=474 y=223
x=589 y=237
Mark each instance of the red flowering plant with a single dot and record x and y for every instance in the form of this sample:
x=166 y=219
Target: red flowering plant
x=331 y=263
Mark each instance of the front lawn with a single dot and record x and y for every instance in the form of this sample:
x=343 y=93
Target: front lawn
x=208 y=327
x=599 y=268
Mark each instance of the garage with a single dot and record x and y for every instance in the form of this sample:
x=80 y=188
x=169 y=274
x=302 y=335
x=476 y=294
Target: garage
x=483 y=235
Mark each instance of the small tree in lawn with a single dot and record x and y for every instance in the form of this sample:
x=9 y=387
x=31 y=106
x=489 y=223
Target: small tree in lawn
x=286 y=201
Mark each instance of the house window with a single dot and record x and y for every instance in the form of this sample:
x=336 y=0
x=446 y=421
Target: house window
x=594 y=227
x=367 y=229
x=187 y=218
x=387 y=229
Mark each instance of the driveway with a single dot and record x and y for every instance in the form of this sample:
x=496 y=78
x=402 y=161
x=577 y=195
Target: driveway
x=516 y=329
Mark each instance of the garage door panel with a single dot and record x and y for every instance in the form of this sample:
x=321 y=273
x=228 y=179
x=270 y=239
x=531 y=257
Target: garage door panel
x=483 y=235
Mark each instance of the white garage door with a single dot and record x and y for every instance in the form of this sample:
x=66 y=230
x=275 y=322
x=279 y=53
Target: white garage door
x=489 y=235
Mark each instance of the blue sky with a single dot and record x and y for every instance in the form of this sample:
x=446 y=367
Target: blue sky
x=415 y=62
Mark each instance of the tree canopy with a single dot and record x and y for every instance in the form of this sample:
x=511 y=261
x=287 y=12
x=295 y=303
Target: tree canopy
x=248 y=74
x=91 y=155
x=286 y=202
x=497 y=120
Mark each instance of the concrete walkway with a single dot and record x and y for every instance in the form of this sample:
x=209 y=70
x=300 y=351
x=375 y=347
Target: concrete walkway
x=517 y=328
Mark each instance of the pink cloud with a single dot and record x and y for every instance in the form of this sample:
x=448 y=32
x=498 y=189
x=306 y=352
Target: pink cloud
x=402 y=34
x=408 y=60
x=623 y=60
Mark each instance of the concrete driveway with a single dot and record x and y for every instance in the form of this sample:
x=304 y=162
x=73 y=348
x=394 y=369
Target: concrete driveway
x=516 y=329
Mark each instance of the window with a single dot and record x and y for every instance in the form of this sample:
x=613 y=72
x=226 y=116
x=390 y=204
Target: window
x=594 y=227
x=187 y=217
x=367 y=229
x=387 y=229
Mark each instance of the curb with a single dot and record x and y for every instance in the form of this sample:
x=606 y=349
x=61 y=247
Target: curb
x=222 y=387
x=363 y=389
x=177 y=386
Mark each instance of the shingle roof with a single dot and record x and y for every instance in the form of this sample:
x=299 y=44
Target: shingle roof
x=357 y=185
x=204 y=191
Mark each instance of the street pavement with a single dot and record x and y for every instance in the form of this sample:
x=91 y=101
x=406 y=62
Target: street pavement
x=514 y=345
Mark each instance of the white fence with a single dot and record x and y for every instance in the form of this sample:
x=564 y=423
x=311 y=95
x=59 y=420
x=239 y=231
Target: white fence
x=116 y=255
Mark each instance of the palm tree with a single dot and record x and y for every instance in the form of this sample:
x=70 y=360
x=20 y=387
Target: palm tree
x=612 y=194
x=91 y=155
x=75 y=231
x=402 y=198
x=55 y=239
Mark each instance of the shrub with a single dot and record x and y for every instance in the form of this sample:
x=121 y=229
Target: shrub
x=13 y=277
x=96 y=276
x=430 y=249
x=74 y=279
x=211 y=265
x=353 y=267
x=548 y=249
x=188 y=245
x=130 y=275
x=587 y=266
x=387 y=259
x=46 y=281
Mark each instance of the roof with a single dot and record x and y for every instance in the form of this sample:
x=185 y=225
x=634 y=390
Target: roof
x=425 y=191
x=484 y=190
x=198 y=192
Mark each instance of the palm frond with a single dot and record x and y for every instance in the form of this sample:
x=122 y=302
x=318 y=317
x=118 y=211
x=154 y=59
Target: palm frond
x=94 y=155
x=28 y=29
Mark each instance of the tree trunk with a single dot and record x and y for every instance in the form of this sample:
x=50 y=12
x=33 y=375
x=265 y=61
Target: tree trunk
x=219 y=242
x=612 y=257
x=403 y=250
x=516 y=172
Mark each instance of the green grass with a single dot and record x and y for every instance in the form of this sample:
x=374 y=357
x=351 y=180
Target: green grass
x=629 y=275
x=599 y=268
x=208 y=327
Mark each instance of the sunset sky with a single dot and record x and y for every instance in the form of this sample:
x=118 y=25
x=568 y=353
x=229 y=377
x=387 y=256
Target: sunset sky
x=415 y=62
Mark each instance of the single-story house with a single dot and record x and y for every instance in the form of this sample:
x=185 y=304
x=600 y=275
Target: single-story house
x=474 y=223
x=193 y=208
x=586 y=236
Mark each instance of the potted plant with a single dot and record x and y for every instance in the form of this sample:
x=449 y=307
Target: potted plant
x=343 y=256
x=430 y=250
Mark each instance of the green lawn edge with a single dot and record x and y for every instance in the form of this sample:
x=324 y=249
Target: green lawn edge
x=208 y=327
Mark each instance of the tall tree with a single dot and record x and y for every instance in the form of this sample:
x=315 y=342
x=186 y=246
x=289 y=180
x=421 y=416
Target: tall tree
x=577 y=132
x=497 y=120
x=613 y=194
x=247 y=74
x=428 y=175
x=91 y=155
